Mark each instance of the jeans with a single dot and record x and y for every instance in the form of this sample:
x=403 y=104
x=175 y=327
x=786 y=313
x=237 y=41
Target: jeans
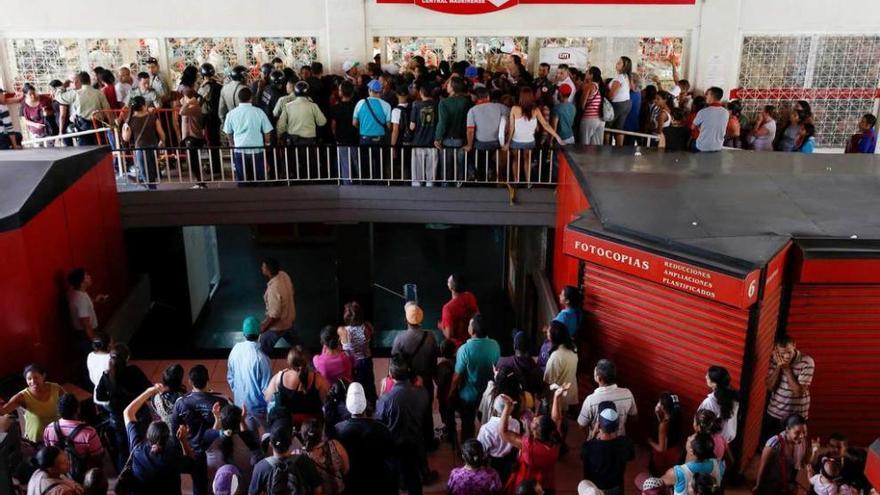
x=592 y=130
x=249 y=167
x=348 y=160
x=194 y=162
x=147 y=166
x=83 y=124
x=453 y=159
x=371 y=154
x=200 y=474
x=301 y=151
x=269 y=338
x=424 y=166
x=409 y=462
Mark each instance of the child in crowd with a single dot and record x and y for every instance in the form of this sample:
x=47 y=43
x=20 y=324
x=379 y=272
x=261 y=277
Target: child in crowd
x=475 y=477
x=676 y=136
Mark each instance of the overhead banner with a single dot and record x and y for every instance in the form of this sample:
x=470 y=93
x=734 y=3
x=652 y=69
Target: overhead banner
x=574 y=56
x=488 y=6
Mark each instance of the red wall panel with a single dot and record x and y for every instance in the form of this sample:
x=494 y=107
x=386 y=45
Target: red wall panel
x=662 y=339
x=570 y=200
x=839 y=326
x=15 y=305
x=768 y=323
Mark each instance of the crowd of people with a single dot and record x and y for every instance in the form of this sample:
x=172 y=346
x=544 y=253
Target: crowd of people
x=438 y=120
x=322 y=426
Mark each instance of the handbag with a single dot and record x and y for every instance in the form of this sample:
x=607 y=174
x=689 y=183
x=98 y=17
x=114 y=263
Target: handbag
x=126 y=482
x=607 y=110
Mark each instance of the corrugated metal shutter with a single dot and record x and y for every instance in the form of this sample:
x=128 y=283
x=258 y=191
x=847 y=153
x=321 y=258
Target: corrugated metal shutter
x=768 y=323
x=839 y=327
x=662 y=339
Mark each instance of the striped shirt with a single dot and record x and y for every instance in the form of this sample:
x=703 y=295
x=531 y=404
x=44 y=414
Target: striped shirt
x=5 y=120
x=783 y=401
x=87 y=443
x=593 y=106
x=621 y=397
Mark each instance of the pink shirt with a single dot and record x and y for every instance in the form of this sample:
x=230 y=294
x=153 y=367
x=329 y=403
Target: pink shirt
x=333 y=366
x=87 y=443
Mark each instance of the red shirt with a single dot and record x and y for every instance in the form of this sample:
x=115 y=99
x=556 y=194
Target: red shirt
x=456 y=316
x=110 y=92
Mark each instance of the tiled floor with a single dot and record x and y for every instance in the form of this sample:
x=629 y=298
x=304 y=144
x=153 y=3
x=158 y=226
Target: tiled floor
x=444 y=459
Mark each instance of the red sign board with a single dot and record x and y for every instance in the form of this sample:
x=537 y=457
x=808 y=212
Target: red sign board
x=685 y=277
x=776 y=269
x=487 y=6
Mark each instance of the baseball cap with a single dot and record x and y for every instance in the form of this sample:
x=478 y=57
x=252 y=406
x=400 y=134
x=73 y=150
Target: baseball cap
x=355 y=399
x=250 y=327
x=608 y=417
x=414 y=314
x=650 y=485
x=471 y=71
x=587 y=487
x=348 y=65
x=152 y=60
x=375 y=86
x=226 y=481
x=564 y=90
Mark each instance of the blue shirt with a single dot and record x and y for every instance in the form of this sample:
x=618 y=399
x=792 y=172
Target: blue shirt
x=367 y=123
x=632 y=118
x=247 y=124
x=565 y=112
x=695 y=467
x=474 y=362
x=808 y=145
x=868 y=142
x=248 y=372
x=571 y=318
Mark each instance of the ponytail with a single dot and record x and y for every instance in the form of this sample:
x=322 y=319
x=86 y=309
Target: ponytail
x=118 y=361
x=724 y=393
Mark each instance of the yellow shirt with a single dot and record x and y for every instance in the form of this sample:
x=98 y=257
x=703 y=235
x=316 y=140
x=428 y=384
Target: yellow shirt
x=279 y=301
x=38 y=414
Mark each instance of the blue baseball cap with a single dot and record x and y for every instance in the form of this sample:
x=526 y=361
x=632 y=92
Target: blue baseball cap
x=375 y=86
x=471 y=71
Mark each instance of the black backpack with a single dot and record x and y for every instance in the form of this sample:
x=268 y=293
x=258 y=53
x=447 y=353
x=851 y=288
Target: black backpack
x=284 y=479
x=211 y=103
x=78 y=464
x=405 y=135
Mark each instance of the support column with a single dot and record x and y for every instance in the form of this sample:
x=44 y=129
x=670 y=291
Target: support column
x=718 y=45
x=345 y=38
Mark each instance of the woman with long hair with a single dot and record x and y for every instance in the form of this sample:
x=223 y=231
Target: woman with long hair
x=664 y=103
x=539 y=447
x=619 y=95
x=333 y=364
x=788 y=139
x=39 y=401
x=784 y=455
x=806 y=141
x=296 y=389
x=666 y=450
x=723 y=400
x=51 y=476
x=705 y=421
x=230 y=442
x=328 y=455
x=522 y=126
x=163 y=403
x=701 y=461
x=763 y=130
x=592 y=129
x=144 y=132
x=475 y=477
x=119 y=386
x=562 y=366
x=356 y=336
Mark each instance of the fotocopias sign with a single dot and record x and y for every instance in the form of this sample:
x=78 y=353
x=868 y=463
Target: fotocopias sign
x=487 y=6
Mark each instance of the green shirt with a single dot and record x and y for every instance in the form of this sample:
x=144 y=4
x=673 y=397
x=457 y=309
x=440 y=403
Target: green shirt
x=301 y=118
x=88 y=101
x=452 y=119
x=279 y=106
x=474 y=362
x=150 y=96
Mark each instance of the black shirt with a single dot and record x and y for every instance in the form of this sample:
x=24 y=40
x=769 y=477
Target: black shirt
x=369 y=448
x=346 y=133
x=677 y=138
x=402 y=410
x=424 y=115
x=307 y=474
x=605 y=461
x=156 y=473
x=121 y=392
x=194 y=410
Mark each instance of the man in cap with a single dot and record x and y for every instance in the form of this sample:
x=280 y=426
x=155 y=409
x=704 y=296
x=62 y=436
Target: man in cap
x=299 y=468
x=404 y=410
x=227 y=481
x=474 y=367
x=368 y=443
x=298 y=129
x=563 y=78
x=248 y=371
x=230 y=94
x=605 y=457
x=350 y=71
x=372 y=117
x=157 y=80
x=648 y=485
x=562 y=116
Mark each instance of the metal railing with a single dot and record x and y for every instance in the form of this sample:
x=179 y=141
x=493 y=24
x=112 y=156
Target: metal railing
x=52 y=140
x=199 y=167
x=648 y=138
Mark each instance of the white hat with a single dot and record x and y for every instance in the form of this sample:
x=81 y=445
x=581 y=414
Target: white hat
x=587 y=487
x=392 y=69
x=348 y=65
x=355 y=400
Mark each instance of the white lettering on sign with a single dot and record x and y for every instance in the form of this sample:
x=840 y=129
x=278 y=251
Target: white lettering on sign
x=688 y=287
x=612 y=255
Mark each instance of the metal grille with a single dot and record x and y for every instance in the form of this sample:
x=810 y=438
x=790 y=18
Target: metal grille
x=113 y=53
x=567 y=42
x=477 y=49
x=837 y=75
x=296 y=52
x=221 y=52
x=400 y=49
x=39 y=61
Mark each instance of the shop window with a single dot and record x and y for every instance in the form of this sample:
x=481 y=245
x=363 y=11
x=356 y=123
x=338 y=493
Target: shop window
x=113 y=53
x=478 y=50
x=222 y=53
x=400 y=49
x=837 y=75
x=39 y=61
x=296 y=52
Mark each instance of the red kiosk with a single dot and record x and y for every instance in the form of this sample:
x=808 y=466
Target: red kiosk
x=691 y=260
x=58 y=210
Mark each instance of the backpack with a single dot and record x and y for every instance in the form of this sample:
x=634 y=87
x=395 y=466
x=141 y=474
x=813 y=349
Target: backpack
x=405 y=135
x=211 y=103
x=607 y=110
x=284 y=479
x=78 y=464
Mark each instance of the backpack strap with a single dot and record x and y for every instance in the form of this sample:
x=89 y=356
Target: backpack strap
x=51 y=487
x=382 y=123
x=783 y=470
x=59 y=435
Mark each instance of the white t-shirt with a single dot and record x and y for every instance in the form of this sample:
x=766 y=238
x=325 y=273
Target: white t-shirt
x=97 y=365
x=81 y=306
x=623 y=91
x=675 y=90
x=491 y=438
x=122 y=90
x=562 y=368
x=728 y=427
